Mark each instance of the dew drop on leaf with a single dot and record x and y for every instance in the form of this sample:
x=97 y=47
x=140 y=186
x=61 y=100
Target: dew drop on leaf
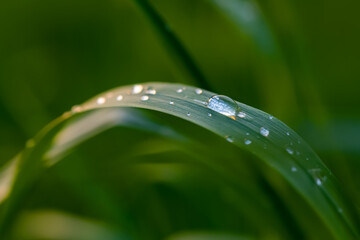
x=264 y=132
x=223 y=105
x=144 y=98
x=188 y=114
x=290 y=150
x=119 y=98
x=229 y=139
x=180 y=90
x=241 y=115
x=150 y=90
x=293 y=169
x=171 y=103
x=209 y=114
x=198 y=91
x=247 y=141
x=101 y=100
x=137 y=89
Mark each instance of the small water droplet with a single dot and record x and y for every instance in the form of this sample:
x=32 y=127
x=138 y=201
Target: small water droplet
x=229 y=139
x=290 y=151
x=171 y=103
x=101 y=100
x=137 y=89
x=318 y=182
x=180 y=90
x=271 y=117
x=293 y=169
x=76 y=109
x=188 y=114
x=340 y=210
x=224 y=105
x=198 y=91
x=247 y=141
x=119 y=98
x=150 y=90
x=209 y=114
x=307 y=158
x=144 y=98
x=241 y=115
x=247 y=134
x=264 y=132
x=287 y=133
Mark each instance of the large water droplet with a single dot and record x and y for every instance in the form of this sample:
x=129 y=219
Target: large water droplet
x=224 y=105
x=137 y=89
x=264 y=132
x=198 y=91
x=144 y=98
x=101 y=100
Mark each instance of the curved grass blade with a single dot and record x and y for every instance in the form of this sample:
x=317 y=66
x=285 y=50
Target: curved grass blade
x=246 y=127
x=173 y=44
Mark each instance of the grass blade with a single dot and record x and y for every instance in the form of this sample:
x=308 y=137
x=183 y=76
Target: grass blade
x=246 y=127
x=180 y=55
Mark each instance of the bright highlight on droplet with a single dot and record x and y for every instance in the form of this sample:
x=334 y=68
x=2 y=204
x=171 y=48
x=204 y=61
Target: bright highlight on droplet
x=229 y=139
x=171 y=103
x=188 y=114
x=137 y=89
x=223 y=105
x=144 y=98
x=264 y=132
x=209 y=114
x=198 y=91
x=293 y=169
x=119 y=98
x=180 y=90
x=101 y=100
x=318 y=182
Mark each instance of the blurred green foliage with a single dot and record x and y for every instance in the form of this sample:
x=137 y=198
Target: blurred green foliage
x=300 y=63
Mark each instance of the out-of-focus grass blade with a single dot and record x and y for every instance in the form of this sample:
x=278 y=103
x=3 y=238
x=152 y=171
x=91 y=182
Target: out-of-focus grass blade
x=246 y=127
x=178 y=52
x=49 y=224
x=206 y=236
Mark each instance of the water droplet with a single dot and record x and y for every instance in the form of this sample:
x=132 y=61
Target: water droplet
x=229 y=139
x=271 y=117
x=30 y=143
x=137 y=89
x=318 y=182
x=101 y=100
x=150 y=90
x=188 y=114
x=224 y=105
x=241 y=115
x=198 y=91
x=144 y=98
x=264 y=132
x=247 y=134
x=293 y=169
x=209 y=114
x=171 y=103
x=340 y=210
x=119 y=98
x=307 y=158
x=247 y=141
x=290 y=151
x=287 y=133
x=76 y=109
x=180 y=90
